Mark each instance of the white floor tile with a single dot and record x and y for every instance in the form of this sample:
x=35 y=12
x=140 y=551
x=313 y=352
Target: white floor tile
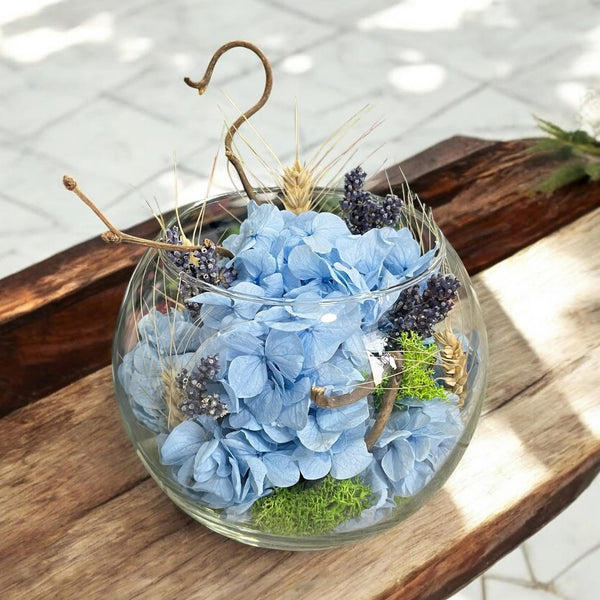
x=487 y=113
x=558 y=86
x=482 y=39
x=566 y=538
x=473 y=591
x=42 y=89
x=18 y=219
x=582 y=581
x=114 y=145
x=503 y=590
x=185 y=27
x=513 y=565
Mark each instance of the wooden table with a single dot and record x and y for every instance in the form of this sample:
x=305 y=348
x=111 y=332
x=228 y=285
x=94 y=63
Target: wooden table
x=80 y=518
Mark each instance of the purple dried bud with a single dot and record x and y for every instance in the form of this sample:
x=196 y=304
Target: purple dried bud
x=418 y=312
x=361 y=210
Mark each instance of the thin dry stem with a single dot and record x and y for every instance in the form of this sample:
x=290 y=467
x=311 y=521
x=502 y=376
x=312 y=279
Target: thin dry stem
x=116 y=236
x=203 y=84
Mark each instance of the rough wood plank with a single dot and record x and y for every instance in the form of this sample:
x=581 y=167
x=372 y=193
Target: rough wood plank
x=478 y=188
x=536 y=448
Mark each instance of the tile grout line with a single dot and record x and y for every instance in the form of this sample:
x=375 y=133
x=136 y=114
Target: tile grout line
x=528 y=562
x=575 y=561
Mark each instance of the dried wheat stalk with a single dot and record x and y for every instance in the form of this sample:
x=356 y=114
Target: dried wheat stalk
x=454 y=363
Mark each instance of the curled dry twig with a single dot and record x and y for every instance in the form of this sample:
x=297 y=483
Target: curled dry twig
x=115 y=235
x=203 y=84
x=317 y=395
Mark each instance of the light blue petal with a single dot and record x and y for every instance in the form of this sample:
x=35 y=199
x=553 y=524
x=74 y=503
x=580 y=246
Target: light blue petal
x=257 y=473
x=241 y=342
x=304 y=264
x=399 y=460
x=345 y=417
x=278 y=433
x=295 y=416
x=266 y=406
x=247 y=376
x=353 y=460
x=282 y=471
x=313 y=438
x=183 y=441
x=421 y=446
x=313 y=465
x=284 y=350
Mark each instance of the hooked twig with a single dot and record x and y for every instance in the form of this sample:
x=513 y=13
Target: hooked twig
x=203 y=84
x=115 y=235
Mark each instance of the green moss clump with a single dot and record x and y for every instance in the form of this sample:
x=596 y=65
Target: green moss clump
x=419 y=359
x=417 y=372
x=311 y=508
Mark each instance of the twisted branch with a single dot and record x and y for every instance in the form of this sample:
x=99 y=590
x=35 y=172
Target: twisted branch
x=385 y=411
x=317 y=395
x=203 y=84
x=116 y=236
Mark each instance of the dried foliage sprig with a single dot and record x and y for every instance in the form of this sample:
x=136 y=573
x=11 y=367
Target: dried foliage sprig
x=454 y=363
x=578 y=150
x=115 y=236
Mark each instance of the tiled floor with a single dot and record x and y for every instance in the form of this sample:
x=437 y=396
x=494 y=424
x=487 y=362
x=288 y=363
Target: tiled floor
x=93 y=88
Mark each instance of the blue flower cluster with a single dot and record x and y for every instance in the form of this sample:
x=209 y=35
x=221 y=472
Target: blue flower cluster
x=290 y=321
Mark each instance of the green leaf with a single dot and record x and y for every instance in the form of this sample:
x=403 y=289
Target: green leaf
x=593 y=171
x=568 y=173
x=552 y=129
x=582 y=138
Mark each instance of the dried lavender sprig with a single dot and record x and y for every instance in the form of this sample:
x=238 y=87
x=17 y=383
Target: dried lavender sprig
x=209 y=405
x=361 y=210
x=202 y=264
x=418 y=312
x=197 y=401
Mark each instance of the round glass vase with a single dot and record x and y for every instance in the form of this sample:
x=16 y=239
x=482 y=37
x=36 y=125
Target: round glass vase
x=324 y=418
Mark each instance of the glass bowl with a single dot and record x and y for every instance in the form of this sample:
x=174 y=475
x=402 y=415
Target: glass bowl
x=320 y=399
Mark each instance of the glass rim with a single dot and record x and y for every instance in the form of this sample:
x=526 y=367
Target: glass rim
x=439 y=248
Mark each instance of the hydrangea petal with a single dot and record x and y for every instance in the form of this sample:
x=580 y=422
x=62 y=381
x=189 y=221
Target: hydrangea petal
x=314 y=438
x=284 y=350
x=247 y=376
x=354 y=459
x=282 y=470
x=313 y=465
x=183 y=441
x=345 y=417
x=398 y=460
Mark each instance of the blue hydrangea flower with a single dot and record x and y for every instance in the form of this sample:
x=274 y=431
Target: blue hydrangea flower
x=167 y=343
x=415 y=442
x=286 y=324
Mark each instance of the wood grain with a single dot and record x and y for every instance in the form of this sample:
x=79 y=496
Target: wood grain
x=479 y=190
x=80 y=518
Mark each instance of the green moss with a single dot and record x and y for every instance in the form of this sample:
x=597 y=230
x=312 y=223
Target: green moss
x=417 y=372
x=311 y=508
